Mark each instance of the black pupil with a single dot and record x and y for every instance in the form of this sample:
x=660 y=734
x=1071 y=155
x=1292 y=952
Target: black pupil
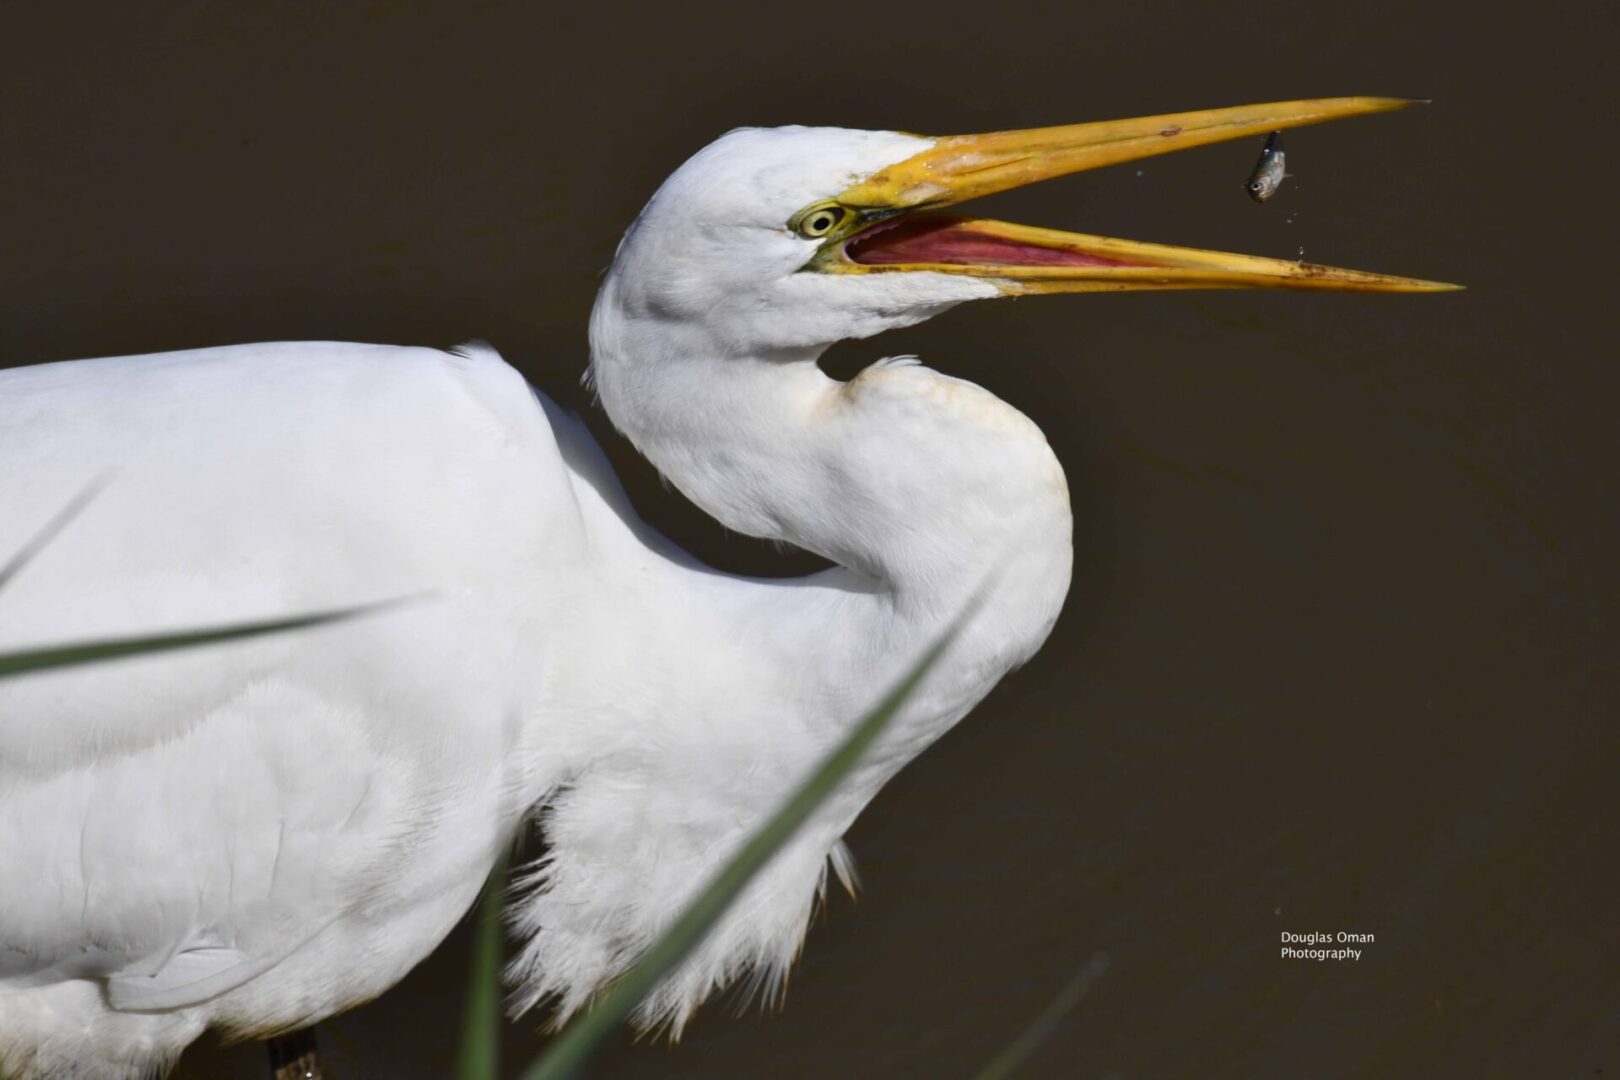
x=822 y=222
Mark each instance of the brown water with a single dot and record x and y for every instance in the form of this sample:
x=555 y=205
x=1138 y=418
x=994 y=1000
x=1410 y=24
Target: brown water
x=1340 y=653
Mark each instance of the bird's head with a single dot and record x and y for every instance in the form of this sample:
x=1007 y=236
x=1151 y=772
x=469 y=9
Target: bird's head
x=792 y=238
x=770 y=245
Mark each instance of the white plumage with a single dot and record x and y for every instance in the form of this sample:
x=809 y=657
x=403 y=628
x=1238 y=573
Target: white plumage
x=258 y=835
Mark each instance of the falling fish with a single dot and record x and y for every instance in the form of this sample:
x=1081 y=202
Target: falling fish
x=1268 y=173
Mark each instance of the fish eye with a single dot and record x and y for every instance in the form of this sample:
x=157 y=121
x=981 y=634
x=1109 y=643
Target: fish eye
x=814 y=222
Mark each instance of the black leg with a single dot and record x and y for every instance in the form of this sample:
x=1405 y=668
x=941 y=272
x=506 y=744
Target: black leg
x=292 y=1056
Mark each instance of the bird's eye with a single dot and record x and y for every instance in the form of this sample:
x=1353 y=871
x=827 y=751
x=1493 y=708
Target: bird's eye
x=817 y=221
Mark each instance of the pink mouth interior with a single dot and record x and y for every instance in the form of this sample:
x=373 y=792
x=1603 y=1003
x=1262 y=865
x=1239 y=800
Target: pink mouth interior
x=946 y=240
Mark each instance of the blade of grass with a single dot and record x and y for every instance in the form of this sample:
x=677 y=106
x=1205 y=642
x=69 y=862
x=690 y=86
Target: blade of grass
x=63 y=518
x=479 y=1056
x=573 y=1048
x=88 y=652
x=1015 y=1053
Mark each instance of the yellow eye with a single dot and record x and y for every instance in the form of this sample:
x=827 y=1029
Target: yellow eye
x=815 y=222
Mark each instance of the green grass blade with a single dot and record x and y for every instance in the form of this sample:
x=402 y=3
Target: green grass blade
x=1015 y=1053
x=90 y=652
x=573 y=1048
x=63 y=518
x=479 y=1057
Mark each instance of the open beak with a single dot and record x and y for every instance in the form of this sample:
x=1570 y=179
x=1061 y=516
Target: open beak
x=896 y=235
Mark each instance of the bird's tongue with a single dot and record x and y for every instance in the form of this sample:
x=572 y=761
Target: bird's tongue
x=954 y=241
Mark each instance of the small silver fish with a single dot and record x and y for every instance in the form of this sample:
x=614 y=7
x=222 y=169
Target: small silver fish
x=1268 y=173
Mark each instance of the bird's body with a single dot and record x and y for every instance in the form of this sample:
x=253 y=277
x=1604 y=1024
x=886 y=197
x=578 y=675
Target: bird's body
x=280 y=840
x=249 y=805
x=258 y=835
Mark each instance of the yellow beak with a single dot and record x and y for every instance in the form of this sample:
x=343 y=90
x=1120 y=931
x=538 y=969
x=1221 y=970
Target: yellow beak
x=1022 y=259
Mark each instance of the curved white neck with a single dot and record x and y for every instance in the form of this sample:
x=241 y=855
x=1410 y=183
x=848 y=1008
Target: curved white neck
x=922 y=487
x=906 y=476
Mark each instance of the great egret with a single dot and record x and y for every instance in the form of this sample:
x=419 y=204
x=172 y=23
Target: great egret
x=263 y=835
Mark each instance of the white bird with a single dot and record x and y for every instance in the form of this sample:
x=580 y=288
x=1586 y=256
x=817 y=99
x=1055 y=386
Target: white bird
x=256 y=836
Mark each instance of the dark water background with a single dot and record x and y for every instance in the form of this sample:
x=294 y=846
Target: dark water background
x=1341 y=648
